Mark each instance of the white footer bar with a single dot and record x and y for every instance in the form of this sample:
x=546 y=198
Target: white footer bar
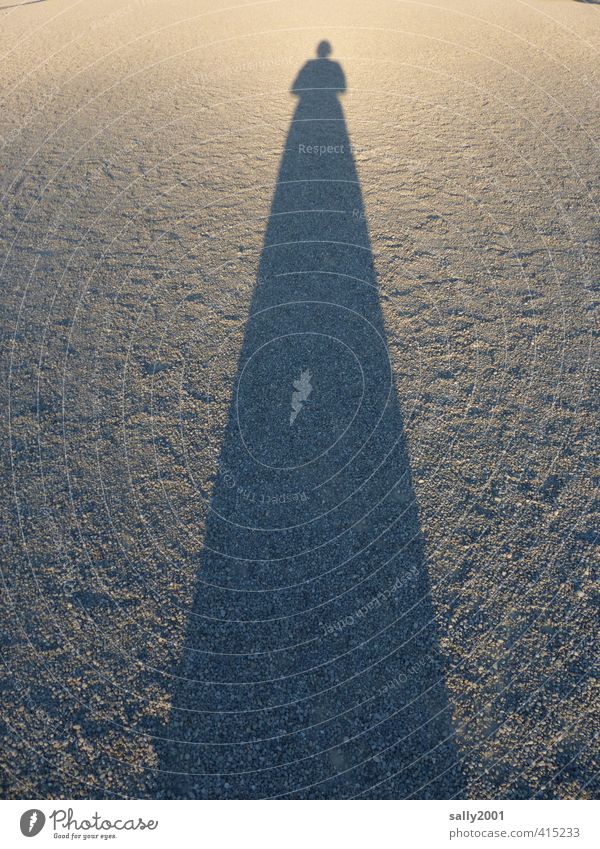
x=301 y=825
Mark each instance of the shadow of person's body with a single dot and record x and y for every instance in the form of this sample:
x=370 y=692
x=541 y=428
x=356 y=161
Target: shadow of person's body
x=311 y=665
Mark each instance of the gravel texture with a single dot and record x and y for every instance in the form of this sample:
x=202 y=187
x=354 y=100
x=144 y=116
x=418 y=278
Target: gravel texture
x=298 y=401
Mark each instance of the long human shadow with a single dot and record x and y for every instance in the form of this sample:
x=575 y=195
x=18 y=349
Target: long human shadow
x=311 y=665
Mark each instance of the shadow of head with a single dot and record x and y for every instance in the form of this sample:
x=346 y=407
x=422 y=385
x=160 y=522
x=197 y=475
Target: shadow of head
x=321 y=75
x=323 y=49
